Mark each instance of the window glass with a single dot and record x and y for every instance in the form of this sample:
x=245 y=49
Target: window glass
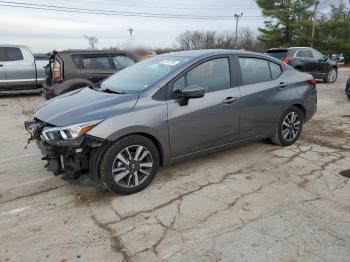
x=13 y=54
x=99 y=62
x=317 y=54
x=254 y=70
x=76 y=60
x=179 y=84
x=122 y=61
x=213 y=75
x=304 y=53
x=2 y=54
x=142 y=75
x=276 y=70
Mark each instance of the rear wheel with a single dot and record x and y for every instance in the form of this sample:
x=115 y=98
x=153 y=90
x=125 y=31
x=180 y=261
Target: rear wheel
x=129 y=165
x=348 y=97
x=332 y=76
x=289 y=127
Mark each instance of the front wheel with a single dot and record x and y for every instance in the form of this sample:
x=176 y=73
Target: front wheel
x=332 y=76
x=289 y=127
x=129 y=165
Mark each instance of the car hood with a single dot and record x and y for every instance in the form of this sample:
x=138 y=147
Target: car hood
x=84 y=105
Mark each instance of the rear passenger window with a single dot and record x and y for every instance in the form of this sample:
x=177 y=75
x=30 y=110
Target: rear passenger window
x=254 y=70
x=76 y=60
x=276 y=70
x=13 y=54
x=304 y=53
x=96 y=62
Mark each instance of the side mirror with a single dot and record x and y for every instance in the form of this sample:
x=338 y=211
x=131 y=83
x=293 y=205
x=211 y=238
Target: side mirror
x=193 y=91
x=189 y=92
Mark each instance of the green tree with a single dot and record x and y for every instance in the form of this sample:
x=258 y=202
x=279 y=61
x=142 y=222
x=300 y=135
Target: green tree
x=333 y=32
x=288 y=22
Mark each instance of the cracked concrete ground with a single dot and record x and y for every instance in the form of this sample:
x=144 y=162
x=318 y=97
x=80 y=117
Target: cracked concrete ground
x=256 y=202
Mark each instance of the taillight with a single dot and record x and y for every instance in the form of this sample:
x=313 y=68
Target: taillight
x=57 y=70
x=313 y=82
x=288 y=59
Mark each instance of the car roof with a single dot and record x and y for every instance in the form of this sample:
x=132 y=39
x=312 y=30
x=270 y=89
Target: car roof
x=287 y=48
x=19 y=46
x=86 y=51
x=210 y=52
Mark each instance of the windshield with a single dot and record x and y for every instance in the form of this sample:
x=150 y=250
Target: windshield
x=142 y=75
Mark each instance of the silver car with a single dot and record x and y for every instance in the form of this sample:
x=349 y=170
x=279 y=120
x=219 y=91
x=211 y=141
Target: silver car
x=169 y=108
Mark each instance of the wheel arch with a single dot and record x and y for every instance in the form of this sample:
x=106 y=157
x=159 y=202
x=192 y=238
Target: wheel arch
x=149 y=135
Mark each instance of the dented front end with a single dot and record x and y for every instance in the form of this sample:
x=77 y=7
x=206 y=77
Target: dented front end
x=70 y=157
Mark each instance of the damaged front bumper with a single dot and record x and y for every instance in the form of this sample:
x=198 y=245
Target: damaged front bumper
x=71 y=158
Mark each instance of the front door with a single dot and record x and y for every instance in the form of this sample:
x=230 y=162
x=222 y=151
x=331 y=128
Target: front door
x=20 y=68
x=209 y=121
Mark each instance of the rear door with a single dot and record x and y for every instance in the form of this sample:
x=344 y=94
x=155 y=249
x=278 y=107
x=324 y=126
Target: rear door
x=307 y=62
x=96 y=67
x=20 y=68
x=260 y=100
x=3 y=82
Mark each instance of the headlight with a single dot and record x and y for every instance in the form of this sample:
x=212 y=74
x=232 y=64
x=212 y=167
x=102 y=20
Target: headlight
x=68 y=132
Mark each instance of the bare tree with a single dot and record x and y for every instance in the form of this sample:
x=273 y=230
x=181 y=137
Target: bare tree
x=190 y=40
x=93 y=40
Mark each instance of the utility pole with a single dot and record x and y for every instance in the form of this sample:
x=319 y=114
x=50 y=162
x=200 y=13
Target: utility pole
x=237 y=18
x=314 y=23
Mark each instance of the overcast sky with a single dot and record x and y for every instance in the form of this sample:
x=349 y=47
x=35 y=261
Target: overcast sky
x=44 y=30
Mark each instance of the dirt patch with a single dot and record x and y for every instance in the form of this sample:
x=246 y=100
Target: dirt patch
x=87 y=196
x=345 y=173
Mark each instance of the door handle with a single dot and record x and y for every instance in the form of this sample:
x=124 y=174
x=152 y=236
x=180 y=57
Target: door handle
x=1 y=65
x=282 y=84
x=230 y=100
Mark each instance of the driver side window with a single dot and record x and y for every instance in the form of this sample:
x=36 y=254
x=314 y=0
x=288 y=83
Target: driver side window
x=213 y=75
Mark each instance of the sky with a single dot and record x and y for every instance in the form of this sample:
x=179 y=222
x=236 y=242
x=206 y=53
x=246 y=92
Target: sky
x=46 y=30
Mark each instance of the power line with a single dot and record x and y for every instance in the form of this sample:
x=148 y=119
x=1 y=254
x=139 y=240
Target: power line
x=155 y=5
x=111 y=12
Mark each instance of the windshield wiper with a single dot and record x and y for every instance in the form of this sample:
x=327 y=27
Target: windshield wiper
x=95 y=86
x=107 y=90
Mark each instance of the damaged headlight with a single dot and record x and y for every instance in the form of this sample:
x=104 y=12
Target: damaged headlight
x=68 y=132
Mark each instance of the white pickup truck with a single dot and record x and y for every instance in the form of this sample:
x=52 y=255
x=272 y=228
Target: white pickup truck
x=20 y=72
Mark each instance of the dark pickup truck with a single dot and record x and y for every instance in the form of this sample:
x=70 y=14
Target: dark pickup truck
x=74 y=69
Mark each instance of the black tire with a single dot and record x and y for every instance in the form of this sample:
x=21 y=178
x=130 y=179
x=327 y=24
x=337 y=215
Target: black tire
x=278 y=137
x=110 y=158
x=330 y=77
x=348 y=97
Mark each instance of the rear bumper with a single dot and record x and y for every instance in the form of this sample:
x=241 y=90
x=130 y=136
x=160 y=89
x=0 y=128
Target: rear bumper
x=48 y=92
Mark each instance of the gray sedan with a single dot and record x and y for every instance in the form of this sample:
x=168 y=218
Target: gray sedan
x=168 y=108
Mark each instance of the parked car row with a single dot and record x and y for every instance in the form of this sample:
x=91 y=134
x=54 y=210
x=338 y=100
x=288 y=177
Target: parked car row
x=169 y=108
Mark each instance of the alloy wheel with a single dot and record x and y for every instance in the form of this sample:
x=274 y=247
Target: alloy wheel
x=132 y=166
x=291 y=126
